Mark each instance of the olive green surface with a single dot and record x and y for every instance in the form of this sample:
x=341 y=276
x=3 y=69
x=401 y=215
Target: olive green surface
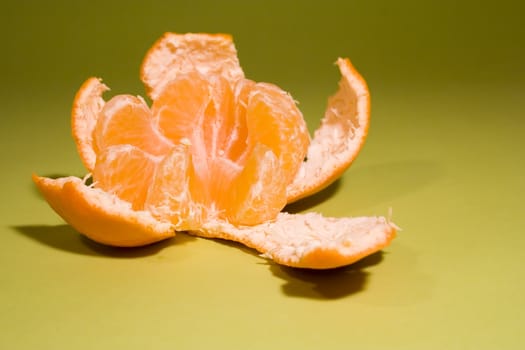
x=445 y=152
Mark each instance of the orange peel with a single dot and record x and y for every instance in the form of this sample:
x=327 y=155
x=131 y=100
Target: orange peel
x=339 y=138
x=174 y=54
x=300 y=240
x=86 y=106
x=103 y=217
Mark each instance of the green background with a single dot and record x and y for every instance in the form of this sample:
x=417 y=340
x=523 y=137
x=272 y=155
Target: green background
x=445 y=152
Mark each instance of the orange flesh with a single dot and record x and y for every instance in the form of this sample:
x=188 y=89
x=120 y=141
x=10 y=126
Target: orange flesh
x=238 y=146
x=127 y=119
x=129 y=186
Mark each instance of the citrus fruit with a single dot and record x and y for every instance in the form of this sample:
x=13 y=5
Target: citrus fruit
x=217 y=155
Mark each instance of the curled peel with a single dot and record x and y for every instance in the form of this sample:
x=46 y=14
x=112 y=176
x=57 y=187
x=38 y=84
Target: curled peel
x=175 y=54
x=101 y=216
x=310 y=240
x=88 y=103
x=298 y=240
x=340 y=137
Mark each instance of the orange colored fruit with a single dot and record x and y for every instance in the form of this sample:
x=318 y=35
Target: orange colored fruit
x=216 y=154
x=245 y=142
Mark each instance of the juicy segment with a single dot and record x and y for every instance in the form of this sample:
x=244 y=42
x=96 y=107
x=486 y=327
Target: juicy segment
x=270 y=109
x=259 y=193
x=122 y=169
x=127 y=119
x=208 y=149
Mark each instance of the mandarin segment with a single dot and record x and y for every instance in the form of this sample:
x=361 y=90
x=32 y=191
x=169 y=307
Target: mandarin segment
x=219 y=122
x=170 y=196
x=127 y=120
x=237 y=144
x=274 y=120
x=258 y=194
x=125 y=171
x=181 y=105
